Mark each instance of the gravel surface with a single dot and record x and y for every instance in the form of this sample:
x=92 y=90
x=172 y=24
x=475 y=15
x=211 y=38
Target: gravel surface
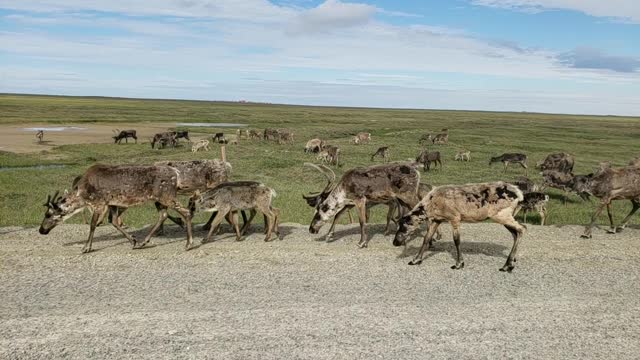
x=302 y=298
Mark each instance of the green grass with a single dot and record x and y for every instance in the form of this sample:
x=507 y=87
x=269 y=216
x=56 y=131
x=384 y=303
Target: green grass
x=590 y=138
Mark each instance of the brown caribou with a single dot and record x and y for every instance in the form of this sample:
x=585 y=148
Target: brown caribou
x=374 y=184
x=610 y=184
x=103 y=187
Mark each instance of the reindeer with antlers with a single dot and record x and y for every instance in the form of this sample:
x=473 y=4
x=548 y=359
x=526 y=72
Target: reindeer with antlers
x=380 y=184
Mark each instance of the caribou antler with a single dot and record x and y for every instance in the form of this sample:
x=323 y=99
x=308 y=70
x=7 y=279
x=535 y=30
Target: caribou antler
x=330 y=178
x=52 y=200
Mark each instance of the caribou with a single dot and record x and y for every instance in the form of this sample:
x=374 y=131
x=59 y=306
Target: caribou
x=379 y=184
x=104 y=187
x=124 y=134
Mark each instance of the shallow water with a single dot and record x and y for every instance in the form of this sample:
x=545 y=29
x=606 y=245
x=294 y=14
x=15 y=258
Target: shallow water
x=55 y=128
x=211 y=124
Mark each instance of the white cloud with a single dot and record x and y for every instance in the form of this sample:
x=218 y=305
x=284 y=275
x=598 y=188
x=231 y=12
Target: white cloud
x=339 y=46
x=622 y=9
x=332 y=15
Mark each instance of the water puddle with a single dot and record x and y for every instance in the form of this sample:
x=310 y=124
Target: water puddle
x=222 y=125
x=55 y=128
x=34 y=167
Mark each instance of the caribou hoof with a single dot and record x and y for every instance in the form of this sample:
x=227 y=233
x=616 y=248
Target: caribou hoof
x=86 y=250
x=585 y=236
x=204 y=241
x=611 y=231
x=619 y=229
x=507 y=268
x=362 y=245
x=415 y=262
x=458 y=266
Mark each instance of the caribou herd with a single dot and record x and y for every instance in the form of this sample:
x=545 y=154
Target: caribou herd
x=112 y=189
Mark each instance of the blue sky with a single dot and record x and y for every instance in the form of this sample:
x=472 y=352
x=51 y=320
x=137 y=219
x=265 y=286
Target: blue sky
x=561 y=56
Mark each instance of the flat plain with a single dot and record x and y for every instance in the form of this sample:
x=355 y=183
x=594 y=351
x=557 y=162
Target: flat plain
x=298 y=296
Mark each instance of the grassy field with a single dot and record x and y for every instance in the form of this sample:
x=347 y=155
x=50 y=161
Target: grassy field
x=590 y=139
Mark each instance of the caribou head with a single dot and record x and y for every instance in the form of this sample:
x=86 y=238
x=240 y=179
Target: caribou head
x=59 y=208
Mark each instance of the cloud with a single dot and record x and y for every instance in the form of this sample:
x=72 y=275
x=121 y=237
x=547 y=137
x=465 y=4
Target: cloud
x=589 y=58
x=332 y=15
x=628 y=10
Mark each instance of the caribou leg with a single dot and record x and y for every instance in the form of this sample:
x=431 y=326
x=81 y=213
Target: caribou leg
x=612 y=228
x=455 y=225
x=426 y=243
x=216 y=221
x=516 y=229
x=97 y=213
x=636 y=206
x=594 y=218
x=361 y=205
x=335 y=220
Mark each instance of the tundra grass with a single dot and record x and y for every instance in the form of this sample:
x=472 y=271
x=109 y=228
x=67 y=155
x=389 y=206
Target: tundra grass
x=591 y=139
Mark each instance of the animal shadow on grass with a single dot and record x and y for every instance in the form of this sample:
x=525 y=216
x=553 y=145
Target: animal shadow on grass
x=44 y=142
x=475 y=248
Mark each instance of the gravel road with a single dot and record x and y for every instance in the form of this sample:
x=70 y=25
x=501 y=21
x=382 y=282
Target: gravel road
x=302 y=298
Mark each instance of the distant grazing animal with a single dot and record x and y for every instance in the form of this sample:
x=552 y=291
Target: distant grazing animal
x=181 y=135
x=285 y=136
x=463 y=155
x=314 y=146
x=330 y=155
x=376 y=184
x=561 y=162
x=533 y=201
x=40 y=135
x=124 y=134
x=425 y=138
x=610 y=184
x=103 y=187
x=382 y=152
x=361 y=138
x=162 y=140
x=242 y=134
x=426 y=158
x=456 y=204
x=228 y=198
x=200 y=144
x=219 y=138
x=511 y=158
x=271 y=134
x=566 y=182
x=254 y=135
x=442 y=138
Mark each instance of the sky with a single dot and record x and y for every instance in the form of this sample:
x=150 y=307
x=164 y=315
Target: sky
x=553 y=56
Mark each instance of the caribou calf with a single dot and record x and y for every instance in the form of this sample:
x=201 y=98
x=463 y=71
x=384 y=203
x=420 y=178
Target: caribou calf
x=229 y=198
x=456 y=204
x=382 y=152
x=200 y=144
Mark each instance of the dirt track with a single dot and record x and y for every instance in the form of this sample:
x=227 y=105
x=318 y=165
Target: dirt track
x=21 y=138
x=299 y=298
